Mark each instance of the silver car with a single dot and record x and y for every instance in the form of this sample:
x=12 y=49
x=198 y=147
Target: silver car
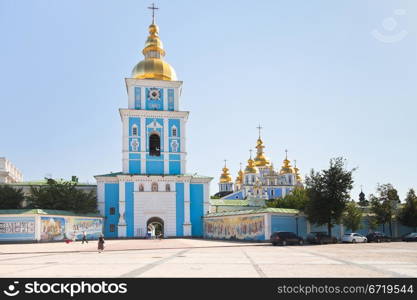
x=354 y=238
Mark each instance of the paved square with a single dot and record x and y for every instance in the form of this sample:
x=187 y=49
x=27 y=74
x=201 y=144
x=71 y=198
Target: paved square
x=203 y=258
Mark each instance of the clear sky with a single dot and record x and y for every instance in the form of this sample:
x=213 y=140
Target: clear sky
x=324 y=78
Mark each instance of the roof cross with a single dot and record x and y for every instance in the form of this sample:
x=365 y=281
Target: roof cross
x=153 y=7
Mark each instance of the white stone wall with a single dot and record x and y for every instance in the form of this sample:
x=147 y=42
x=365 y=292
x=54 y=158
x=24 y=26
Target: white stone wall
x=154 y=204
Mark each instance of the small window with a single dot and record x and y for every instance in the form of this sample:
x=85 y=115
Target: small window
x=112 y=228
x=112 y=210
x=141 y=189
x=174 y=131
x=167 y=187
x=154 y=187
x=272 y=192
x=134 y=130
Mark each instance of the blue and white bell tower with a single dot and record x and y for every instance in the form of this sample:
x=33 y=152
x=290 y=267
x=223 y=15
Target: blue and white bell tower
x=153 y=192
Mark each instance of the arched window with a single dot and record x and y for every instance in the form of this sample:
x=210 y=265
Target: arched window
x=134 y=130
x=154 y=187
x=154 y=145
x=167 y=187
x=141 y=189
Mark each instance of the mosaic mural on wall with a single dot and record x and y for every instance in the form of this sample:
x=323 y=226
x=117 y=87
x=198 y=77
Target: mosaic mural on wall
x=52 y=228
x=240 y=228
x=92 y=227
x=17 y=228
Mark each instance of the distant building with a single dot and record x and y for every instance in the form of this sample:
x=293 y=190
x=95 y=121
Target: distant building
x=8 y=172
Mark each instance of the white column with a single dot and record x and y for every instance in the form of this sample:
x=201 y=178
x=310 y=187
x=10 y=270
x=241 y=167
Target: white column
x=143 y=145
x=131 y=96
x=176 y=99
x=267 y=220
x=100 y=197
x=165 y=100
x=166 y=146
x=308 y=227
x=187 y=220
x=206 y=196
x=38 y=228
x=122 y=222
x=125 y=143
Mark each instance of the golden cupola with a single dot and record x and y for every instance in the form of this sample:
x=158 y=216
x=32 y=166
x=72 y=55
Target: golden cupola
x=286 y=166
x=296 y=171
x=260 y=160
x=251 y=167
x=225 y=176
x=239 y=178
x=153 y=66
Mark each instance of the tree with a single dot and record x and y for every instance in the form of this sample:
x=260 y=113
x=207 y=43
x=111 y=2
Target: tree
x=297 y=199
x=11 y=198
x=408 y=213
x=328 y=192
x=352 y=217
x=384 y=204
x=62 y=195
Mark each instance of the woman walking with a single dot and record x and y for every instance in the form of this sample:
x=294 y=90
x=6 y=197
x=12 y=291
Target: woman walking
x=100 y=243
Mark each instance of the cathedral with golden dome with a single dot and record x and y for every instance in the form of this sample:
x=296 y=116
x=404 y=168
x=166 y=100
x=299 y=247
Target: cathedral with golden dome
x=259 y=179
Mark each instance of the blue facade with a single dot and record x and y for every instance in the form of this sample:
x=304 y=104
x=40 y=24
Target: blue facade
x=138 y=97
x=129 y=209
x=171 y=103
x=179 y=187
x=197 y=208
x=235 y=196
x=155 y=165
x=111 y=201
x=134 y=163
x=154 y=104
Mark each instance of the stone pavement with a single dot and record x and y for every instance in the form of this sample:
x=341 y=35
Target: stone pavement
x=204 y=258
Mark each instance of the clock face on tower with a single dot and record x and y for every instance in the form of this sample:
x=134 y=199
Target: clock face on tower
x=154 y=94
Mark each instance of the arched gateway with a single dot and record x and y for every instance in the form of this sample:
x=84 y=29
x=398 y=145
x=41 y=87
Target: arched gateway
x=157 y=225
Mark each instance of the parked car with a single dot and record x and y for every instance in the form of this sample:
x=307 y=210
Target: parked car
x=411 y=237
x=320 y=238
x=354 y=238
x=286 y=238
x=378 y=237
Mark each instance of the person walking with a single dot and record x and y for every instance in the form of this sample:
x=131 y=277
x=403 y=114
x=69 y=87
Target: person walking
x=100 y=244
x=84 y=238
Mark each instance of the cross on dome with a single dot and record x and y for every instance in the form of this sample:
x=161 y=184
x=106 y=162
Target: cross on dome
x=153 y=7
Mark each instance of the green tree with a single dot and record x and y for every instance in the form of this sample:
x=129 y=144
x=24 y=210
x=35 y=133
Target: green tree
x=408 y=213
x=328 y=192
x=11 y=198
x=62 y=195
x=297 y=199
x=384 y=204
x=352 y=217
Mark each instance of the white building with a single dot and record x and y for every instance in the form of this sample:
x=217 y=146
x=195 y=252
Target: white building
x=8 y=172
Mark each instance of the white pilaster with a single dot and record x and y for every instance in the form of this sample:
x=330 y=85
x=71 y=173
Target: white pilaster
x=267 y=220
x=206 y=195
x=100 y=197
x=122 y=222
x=131 y=96
x=166 y=145
x=143 y=145
x=187 y=220
x=142 y=98
x=165 y=100
x=125 y=144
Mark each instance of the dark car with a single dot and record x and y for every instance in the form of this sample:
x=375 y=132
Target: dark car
x=286 y=238
x=411 y=237
x=320 y=238
x=378 y=237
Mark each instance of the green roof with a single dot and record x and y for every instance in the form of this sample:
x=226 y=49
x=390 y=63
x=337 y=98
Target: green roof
x=225 y=202
x=44 y=212
x=255 y=211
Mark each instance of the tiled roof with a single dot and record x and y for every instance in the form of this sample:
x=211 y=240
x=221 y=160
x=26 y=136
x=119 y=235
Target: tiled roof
x=219 y=202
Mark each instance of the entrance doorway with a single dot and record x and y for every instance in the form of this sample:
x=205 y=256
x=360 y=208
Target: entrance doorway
x=156 y=226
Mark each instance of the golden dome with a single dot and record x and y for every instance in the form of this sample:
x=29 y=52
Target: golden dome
x=153 y=66
x=239 y=178
x=225 y=177
x=286 y=167
x=251 y=167
x=296 y=171
x=260 y=160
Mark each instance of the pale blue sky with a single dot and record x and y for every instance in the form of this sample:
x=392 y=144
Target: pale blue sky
x=311 y=72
